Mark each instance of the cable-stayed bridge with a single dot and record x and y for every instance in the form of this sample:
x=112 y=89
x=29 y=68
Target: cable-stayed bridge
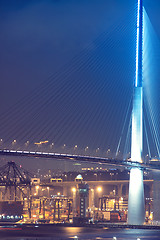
x=88 y=102
x=78 y=115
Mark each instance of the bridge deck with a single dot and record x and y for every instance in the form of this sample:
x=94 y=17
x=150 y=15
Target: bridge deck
x=80 y=158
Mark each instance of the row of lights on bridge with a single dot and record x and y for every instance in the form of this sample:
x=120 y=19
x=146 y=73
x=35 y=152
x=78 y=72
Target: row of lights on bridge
x=52 y=144
x=64 y=146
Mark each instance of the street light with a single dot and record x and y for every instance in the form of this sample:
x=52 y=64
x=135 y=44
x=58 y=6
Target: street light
x=99 y=189
x=75 y=147
x=27 y=143
x=108 y=151
x=97 y=150
x=73 y=189
x=86 y=148
x=14 y=142
x=52 y=145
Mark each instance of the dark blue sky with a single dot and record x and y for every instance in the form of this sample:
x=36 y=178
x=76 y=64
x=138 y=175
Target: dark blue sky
x=94 y=42
x=38 y=37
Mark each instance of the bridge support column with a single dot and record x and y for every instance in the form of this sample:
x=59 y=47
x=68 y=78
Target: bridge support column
x=136 y=211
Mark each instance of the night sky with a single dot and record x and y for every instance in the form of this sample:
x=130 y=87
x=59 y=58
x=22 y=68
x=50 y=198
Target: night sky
x=67 y=70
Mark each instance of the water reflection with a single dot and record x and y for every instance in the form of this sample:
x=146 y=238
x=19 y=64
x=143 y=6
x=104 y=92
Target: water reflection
x=78 y=233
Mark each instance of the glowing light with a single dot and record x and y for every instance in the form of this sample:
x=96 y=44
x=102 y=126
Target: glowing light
x=73 y=189
x=139 y=38
x=14 y=141
x=86 y=148
x=99 y=189
x=137 y=52
x=42 y=142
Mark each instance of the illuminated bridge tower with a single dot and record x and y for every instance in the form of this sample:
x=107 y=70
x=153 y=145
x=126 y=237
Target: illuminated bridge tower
x=136 y=210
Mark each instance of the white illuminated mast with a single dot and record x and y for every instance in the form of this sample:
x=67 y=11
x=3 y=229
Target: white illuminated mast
x=136 y=210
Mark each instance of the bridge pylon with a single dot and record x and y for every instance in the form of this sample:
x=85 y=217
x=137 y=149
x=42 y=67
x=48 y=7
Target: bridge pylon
x=136 y=206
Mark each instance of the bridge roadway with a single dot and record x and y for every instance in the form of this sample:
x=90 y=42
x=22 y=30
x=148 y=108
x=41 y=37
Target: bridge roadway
x=80 y=158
